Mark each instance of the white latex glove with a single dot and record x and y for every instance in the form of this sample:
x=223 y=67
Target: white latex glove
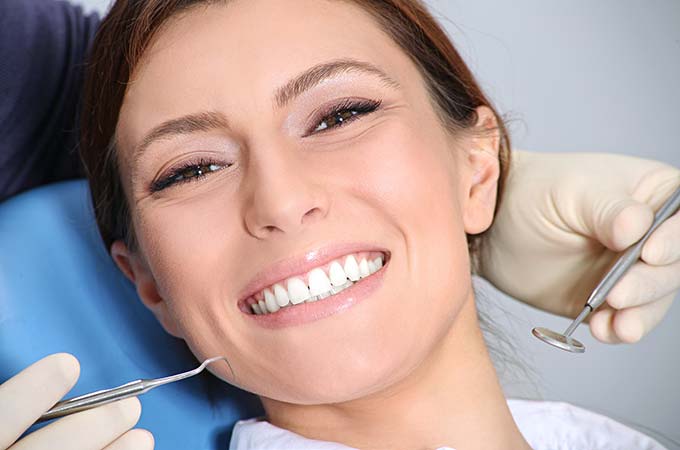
x=565 y=218
x=34 y=390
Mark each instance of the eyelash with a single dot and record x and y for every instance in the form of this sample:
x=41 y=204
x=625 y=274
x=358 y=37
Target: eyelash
x=357 y=109
x=362 y=107
x=177 y=175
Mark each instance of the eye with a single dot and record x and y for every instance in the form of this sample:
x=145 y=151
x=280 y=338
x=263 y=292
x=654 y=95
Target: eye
x=344 y=113
x=190 y=171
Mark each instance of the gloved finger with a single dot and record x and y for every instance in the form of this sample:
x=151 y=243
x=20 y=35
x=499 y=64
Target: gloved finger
x=31 y=392
x=631 y=324
x=136 y=439
x=663 y=246
x=616 y=220
x=601 y=326
x=92 y=429
x=643 y=284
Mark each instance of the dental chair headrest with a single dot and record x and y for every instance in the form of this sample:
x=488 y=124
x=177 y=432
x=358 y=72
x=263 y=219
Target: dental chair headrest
x=61 y=292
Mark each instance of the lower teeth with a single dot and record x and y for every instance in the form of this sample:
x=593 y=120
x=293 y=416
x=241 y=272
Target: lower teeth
x=334 y=290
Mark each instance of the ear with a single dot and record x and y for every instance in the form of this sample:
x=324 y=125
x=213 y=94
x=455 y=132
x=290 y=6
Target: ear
x=137 y=271
x=483 y=170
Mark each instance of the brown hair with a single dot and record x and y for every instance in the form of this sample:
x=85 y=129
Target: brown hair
x=131 y=24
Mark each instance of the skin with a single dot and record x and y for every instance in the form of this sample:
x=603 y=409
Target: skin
x=414 y=348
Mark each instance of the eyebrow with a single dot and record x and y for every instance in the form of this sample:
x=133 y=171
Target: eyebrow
x=210 y=120
x=316 y=74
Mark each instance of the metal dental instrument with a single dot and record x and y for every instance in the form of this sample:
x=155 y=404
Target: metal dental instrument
x=131 y=389
x=599 y=294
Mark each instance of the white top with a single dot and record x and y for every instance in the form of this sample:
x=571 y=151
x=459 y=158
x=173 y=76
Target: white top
x=545 y=425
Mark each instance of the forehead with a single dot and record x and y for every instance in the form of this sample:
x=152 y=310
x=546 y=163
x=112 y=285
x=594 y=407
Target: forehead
x=273 y=31
x=218 y=56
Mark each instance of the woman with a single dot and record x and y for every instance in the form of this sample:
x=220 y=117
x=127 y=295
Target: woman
x=330 y=168
x=45 y=42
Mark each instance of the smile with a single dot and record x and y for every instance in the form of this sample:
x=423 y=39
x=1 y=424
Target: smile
x=320 y=283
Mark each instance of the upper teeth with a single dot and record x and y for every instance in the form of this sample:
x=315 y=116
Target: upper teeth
x=320 y=284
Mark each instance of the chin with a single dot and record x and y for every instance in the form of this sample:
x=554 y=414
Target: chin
x=349 y=384
x=350 y=371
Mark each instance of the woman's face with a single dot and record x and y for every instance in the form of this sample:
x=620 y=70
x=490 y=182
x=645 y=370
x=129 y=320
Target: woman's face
x=281 y=187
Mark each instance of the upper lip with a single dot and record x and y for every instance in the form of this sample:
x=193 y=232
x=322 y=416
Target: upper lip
x=301 y=264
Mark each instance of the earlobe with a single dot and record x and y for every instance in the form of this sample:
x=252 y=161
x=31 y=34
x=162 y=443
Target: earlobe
x=139 y=274
x=484 y=165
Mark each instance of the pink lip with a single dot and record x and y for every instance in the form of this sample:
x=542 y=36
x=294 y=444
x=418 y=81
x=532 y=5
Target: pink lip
x=298 y=265
x=310 y=312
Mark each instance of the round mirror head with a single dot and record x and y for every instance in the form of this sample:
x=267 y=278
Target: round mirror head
x=559 y=340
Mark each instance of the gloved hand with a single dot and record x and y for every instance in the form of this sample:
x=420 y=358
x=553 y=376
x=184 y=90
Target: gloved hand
x=564 y=219
x=34 y=390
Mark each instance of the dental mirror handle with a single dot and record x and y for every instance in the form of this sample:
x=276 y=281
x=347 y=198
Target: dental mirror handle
x=633 y=253
x=613 y=275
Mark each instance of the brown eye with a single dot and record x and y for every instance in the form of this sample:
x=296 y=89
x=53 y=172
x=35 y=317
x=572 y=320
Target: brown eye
x=336 y=119
x=345 y=113
x=189 y=172
x=195 y=171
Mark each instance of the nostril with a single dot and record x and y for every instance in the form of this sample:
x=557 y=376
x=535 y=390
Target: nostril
x=312 y=213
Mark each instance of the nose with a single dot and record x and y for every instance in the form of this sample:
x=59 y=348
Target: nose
x=283 y=194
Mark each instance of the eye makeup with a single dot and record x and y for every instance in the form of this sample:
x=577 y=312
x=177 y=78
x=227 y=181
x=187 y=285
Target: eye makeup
x=335 y=116
x=187 y=171
x=341 y=113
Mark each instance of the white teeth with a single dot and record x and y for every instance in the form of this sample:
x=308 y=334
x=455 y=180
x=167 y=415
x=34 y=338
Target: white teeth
x=318 y=282
x=297 y=290
x=337 y=275
x=335 y=290
x=372 y=268
x=270 y=301
x=281 y=295
x=321 y=285
x=351 y=268
x=363 y=269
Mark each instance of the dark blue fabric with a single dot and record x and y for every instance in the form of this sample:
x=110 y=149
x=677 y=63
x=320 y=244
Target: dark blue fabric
x=43 y=44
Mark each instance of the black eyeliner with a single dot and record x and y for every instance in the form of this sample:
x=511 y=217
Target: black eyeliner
x=170 y=179
x=362 y=106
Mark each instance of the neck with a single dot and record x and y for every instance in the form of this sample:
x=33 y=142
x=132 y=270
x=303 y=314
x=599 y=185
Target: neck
x=452 y=399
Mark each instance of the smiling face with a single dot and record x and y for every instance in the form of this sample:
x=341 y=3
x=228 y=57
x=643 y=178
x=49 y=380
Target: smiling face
x=240 y=181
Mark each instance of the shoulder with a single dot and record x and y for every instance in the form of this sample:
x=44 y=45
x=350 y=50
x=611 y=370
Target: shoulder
x=43 y=45
x=549 y=425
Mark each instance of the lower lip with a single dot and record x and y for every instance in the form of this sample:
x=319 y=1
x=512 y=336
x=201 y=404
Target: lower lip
x=309 y=312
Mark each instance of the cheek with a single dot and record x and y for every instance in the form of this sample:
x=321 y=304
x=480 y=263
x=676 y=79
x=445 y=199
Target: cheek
x=179 y=240
x=190 y=249
x=413 y=175
x=185 y=245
